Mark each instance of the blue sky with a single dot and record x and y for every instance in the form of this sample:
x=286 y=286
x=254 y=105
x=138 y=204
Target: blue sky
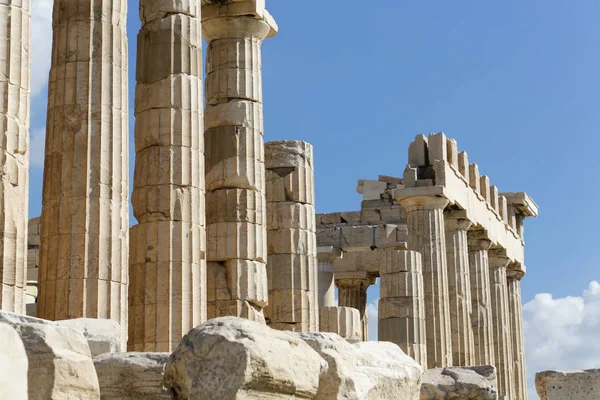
x=514 y=82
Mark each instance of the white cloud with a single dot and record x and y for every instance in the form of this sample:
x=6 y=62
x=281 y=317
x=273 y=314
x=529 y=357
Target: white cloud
x=36 y=148
x=562 y=333
x=41 y=44
x=372 y=319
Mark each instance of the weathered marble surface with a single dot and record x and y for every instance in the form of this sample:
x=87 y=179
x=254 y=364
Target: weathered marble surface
x=464 y=383
x=13 y=364
x=103 y=335
x=132 y=376
x=568 y=385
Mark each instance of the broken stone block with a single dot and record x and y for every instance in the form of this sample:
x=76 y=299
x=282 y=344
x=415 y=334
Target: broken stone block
x=13 y=364
x=233 y=358
x=562 y=385
x=465 y=383
x=366 y=370
x=103 y=335
x=132 y=376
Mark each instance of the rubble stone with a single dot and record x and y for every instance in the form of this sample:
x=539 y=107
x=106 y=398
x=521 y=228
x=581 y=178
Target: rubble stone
x=465 y=383
x=562 y=385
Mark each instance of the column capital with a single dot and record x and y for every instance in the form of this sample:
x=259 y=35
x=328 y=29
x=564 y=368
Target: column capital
x=456 y=221
x=235 y=19
x=424 y=203
x=497 y=258
x=359 y=278
x=515 y=274
x=329 y=253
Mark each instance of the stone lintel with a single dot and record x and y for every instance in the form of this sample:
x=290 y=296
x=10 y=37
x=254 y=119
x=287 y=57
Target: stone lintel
x=357 y=238
x=522 y=203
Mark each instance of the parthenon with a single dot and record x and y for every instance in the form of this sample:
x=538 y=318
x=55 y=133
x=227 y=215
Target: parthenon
x=226 y=224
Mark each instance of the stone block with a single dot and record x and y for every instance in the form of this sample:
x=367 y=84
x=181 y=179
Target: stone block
x=231 y=240
x=463 y=165
x=484 y=186
x=103 y=335
x=418 y=153
x=474 y=178
x=401 y=307
x=402 y=284
x=468 y=383
x=289 y=215
x=402 y=330
x=291 y=305
x=287 y=184
x=291 y=271
x=452 y=150
x=562 y=385
x=291 y=241
x=235 y=205
x=288 y=154
x=132 y=376
x=237 y=279
x=13 y=364
x=344 y=321
x=237 y=308
x=437 y=146
x=231 y=358
x=401 y=261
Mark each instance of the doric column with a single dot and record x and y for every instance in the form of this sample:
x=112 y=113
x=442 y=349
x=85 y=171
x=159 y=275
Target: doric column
x=459 y=289
x=168 y=265
x=402 y=305
x=352 y=292
x=501 y=322
x=345 y=321
x=515 y=313
x=85 y=206
x=481 y=307
x=291 y=237
x=236 y=231
x=426 y=234
x=326 y=255
x=15 y=60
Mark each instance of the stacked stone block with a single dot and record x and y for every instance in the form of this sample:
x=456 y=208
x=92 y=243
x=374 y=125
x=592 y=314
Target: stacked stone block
x=345 y=321
x=235 y=170
x=291 y=238
x=168 y=257
x=402 y=303
x=15 y=60
x=85 y=203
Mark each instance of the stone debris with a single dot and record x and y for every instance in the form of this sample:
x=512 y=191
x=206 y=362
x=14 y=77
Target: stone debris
x=464 y=383
x=103 y=335
x=234 y=358
x=132 y=376
x=366 y=370
x=13 y=364
x=563 y=385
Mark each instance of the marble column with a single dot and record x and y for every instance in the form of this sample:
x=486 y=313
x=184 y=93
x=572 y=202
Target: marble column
x=459 y=290
x=168 y=264
x=235 y=170
x=352 y=292
x=426 y=234
x=515 y=313
x=345 y=321
x=291 y=237
x=15 y=62
x=501 y=322
x=326 y=256
x=402 y=305
x=481 y=307
x=85 y=205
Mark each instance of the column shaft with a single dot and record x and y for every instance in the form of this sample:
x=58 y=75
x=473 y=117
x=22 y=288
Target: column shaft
x=353 y=293
x=401 y=304
x=85 y=205
x=168 y=265
x=15 y=60
x=426 y=234
x=481 y=308
x=235 y=169
x=459 y=290
x=515 y=313
x=326 y=284
x=501 y=325
x=291 y=237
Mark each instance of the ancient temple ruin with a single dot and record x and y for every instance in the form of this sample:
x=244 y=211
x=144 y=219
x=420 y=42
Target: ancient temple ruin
x=226 y=224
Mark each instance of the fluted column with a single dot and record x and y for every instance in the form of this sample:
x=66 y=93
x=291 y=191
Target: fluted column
x=481 y=307
x=85 y=205
x=515 y=313
x=501 y=322
x=352 y=292
x=426 y=234
x=15 y=61
x=459 y=290
x=235 y=170
x=326 y=256
x=168 y=265
x=401 y=304
x=291 y=237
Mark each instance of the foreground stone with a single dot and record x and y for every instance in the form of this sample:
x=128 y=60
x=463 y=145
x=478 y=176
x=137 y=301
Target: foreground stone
x=132 y=376
x=60 y=364
x=233 y=358
x=465 y=383
x=13 y=365
x=366 y=370
x=103 y=335
x=562 y=385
